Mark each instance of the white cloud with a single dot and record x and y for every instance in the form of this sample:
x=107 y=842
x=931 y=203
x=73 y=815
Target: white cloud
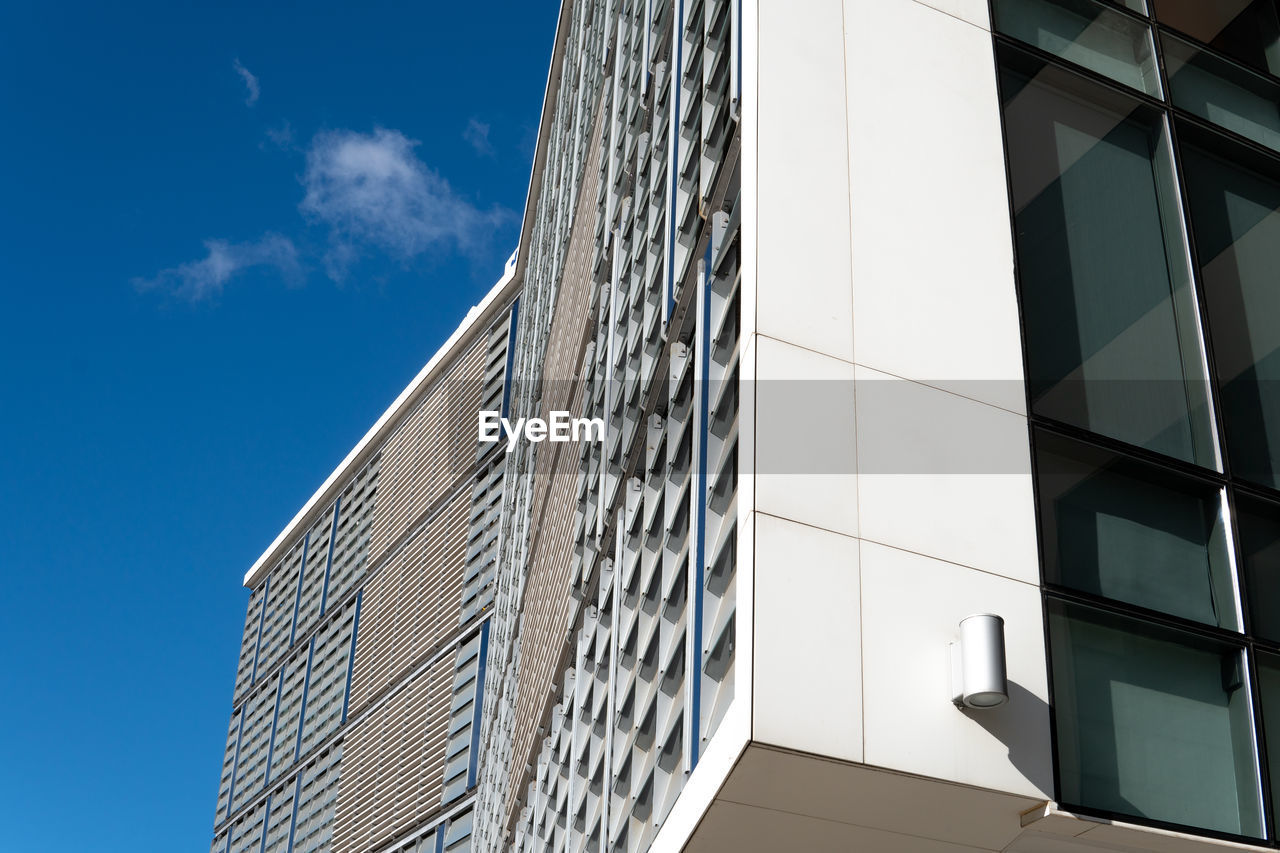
x=250 y=83
x=371 y=189
x=205 y=278
x=477 y=136
x=281 y=136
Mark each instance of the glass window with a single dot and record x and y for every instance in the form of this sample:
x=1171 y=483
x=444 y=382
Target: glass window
x=1247 y=31
x=1125 y=530
x=1110 y=319
x=1222 y=92
x=1259 y=526
x=1235 y=215
x=1269 y=692
x=1152 y=722
x=1087 y=33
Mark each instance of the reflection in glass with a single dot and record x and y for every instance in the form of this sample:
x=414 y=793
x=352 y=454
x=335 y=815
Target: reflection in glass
x=1152 y=722
x=1235 y=217
x=1269 y=693
x=1222 y=92
x=1087 y=33
x=1133 y=532
x=1247 y=30
x=1259 y=526
x=1111 y=324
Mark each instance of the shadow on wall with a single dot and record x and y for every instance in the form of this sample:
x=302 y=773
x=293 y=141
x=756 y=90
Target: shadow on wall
x=1008 y=724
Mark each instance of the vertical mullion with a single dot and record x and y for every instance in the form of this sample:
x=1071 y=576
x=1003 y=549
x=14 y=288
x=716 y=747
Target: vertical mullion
x=328 y=565
x=297 y=599
x=293 y=821
x=302 y=708
x=351 y=656
x=262 y=616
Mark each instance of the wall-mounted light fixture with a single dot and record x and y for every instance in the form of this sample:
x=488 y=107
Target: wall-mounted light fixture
x=978 y=677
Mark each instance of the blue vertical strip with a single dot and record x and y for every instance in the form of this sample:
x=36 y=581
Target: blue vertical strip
x=235 y=766
x=440 y=830
x=266 y=824
x=476 y=705
x=306 y=688
x=293 y=821
x=328 y=563
x=699 y=568
x=297 y=599
x=262 y=617
x=351 y=658
x=275 y=718
x=511 y=359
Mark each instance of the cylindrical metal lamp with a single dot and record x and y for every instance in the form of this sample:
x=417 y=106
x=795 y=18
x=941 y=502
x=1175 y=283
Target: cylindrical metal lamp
x=978 y=664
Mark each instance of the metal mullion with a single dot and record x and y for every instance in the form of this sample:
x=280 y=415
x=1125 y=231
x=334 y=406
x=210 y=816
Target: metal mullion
x=1210 y=49
x=1026 y=387
x=1220 y=480
x=1205 y=476
x=1260 y=742
x=1007 y=42
x=1261 y=764
x=1116 y=607
x=1255 y=148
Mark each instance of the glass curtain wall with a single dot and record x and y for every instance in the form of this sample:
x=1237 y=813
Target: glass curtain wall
x=1143 y=149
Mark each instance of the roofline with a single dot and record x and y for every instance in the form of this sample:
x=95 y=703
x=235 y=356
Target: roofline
x=545 y=120
x=513 y=273
x=477 y=318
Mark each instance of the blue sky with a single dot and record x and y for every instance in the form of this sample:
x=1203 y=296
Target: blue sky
x=229 y=235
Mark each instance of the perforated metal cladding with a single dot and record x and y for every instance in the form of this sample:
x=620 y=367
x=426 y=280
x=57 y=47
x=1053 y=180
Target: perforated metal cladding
x=246 y=832
x=277 y=625
x=495 y=366
x=317 y=802
x=327 y=688
x=394 y=762
x=653 y=542
x=457 y=835
x=249 y=642
x=468 y=671
x=279 y=820
x=255 y=741
x=228 y=767
x=288 y=715
x=313 y=574
x=532 y=616
x=430 y=453
x=411 y=606
x=355 y=532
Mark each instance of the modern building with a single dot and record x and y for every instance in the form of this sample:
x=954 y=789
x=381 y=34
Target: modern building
x=894 y=312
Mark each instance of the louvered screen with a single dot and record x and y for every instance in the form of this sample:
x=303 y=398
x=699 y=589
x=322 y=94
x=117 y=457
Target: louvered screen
x=394 y=762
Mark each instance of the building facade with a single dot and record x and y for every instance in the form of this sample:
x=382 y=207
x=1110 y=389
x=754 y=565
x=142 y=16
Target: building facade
x=892 y=313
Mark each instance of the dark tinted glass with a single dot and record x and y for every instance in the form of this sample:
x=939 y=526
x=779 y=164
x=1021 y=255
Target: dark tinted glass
x=1152 y=722
x=1269 y=690
x=1111 y=326
x=1087 y=33
x=1259 y=526
x=1220 y=91
x=1132 y=532
x=1235 y=216
x=1247 y=31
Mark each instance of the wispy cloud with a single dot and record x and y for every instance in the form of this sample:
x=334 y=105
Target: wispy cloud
x=281 y=136
x=477 y=136
x=205 y=278
x=371 y=189
x=250 y=83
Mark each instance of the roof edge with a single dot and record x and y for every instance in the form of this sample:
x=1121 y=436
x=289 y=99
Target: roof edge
x=390 y=419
